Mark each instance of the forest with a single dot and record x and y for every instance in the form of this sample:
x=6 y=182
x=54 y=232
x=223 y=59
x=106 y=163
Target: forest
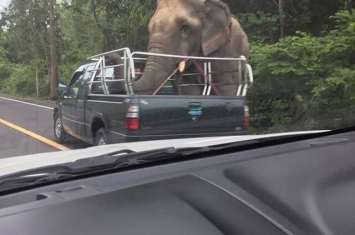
x=303 y=52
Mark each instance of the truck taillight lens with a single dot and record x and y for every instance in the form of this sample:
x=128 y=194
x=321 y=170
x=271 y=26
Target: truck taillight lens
x=132 y=118
x=132 y=123
x=246 y=116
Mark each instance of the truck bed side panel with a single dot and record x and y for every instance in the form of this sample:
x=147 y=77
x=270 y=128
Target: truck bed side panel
x=112 y=110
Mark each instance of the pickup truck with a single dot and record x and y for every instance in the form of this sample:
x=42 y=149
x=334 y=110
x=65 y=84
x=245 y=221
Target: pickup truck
x=95 y=111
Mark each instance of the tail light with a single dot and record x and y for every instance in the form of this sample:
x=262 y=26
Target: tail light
x=132 y=118
x=246 y=116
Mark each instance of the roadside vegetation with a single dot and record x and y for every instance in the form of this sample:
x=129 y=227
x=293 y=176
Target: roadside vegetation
x=303 y=52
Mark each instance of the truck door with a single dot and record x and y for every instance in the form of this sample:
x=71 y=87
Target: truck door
x=71 y=118
x=78 y=111
x=68 y=101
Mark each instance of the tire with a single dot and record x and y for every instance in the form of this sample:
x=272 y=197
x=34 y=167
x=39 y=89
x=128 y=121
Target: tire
x=101 y=137
x=59 y=133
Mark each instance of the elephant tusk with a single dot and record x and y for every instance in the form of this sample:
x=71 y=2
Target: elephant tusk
x=182 y=66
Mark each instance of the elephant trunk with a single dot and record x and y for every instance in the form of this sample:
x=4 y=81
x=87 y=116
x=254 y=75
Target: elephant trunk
x=157 y=69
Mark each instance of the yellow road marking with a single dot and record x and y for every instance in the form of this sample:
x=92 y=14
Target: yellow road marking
x=34 y=135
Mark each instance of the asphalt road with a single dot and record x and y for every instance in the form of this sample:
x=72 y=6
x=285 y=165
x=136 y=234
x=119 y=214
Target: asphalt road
x=27 y=128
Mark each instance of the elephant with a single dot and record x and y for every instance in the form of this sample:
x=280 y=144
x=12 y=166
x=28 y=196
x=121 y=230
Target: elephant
x=115 y=59
x=193 y=28
x=115 y=87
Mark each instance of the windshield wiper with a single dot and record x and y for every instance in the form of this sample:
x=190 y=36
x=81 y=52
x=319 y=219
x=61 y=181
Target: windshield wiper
x=58 y=172
x=187 y=153
x=28 y=180
x=124 y=158
x=110 y=161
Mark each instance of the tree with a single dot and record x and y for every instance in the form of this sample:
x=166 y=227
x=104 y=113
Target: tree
x=53 y=59
x=282 y=18
x=26 y=35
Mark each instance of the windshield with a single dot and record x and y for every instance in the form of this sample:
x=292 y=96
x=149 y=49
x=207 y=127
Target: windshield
x=79 y=74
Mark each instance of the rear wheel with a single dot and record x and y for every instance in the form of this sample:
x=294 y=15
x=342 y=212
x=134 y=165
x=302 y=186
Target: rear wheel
x=101 y=138
x=59 y=133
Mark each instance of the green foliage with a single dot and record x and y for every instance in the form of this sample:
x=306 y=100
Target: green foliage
x=306 y=82
x=260 y=27
x=22 y=81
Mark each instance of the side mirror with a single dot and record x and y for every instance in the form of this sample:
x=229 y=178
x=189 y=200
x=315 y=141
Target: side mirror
x=72 y=93
x=62 y=88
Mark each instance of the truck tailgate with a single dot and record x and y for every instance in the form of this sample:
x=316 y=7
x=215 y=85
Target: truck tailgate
x=191 y=115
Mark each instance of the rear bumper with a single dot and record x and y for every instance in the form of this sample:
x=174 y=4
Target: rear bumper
x=120 y=138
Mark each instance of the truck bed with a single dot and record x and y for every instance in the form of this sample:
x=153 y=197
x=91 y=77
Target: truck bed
x=168 y=116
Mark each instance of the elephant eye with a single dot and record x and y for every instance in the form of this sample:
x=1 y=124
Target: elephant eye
x=184 y=28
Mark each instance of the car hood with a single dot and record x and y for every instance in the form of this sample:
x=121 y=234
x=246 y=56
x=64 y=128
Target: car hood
x=16 y=164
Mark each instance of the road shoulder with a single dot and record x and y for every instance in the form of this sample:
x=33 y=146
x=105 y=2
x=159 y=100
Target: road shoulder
x=48 y=103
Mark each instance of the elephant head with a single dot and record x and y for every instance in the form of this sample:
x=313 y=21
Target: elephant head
x=183 y=27
x=115 y=59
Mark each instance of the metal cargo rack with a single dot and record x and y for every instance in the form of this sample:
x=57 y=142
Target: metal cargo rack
x=131 y=74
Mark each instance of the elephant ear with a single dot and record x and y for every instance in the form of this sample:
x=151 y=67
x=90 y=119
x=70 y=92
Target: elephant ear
x=216 y=31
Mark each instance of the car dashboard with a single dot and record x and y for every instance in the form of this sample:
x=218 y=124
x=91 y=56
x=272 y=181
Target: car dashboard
x=305 y=187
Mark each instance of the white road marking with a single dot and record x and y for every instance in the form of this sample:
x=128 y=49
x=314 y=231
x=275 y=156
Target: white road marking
x=22 y=102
